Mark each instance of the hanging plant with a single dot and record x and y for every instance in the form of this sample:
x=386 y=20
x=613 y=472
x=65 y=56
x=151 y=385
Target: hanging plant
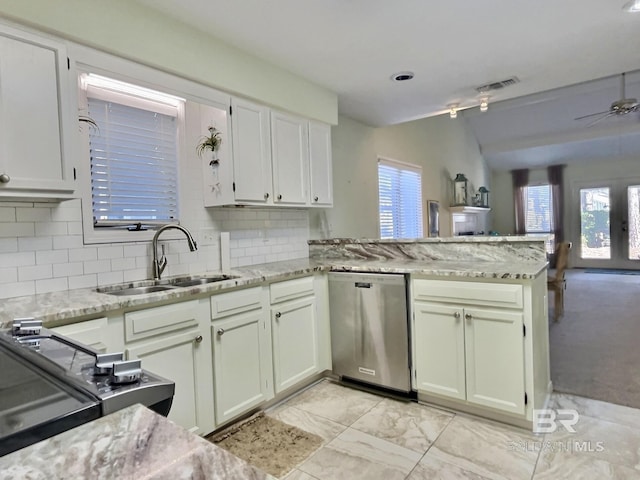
x=210 y=142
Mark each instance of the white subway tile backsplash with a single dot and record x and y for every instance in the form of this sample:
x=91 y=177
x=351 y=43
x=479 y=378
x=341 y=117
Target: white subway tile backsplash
x=8 y=245
x=51 y=228
x=107 y=278
x=17 y=229
x=8 y=275
x=110 y=252
x=97 y=266
x=67 y=241
x=134 y=275
x=17 y=259
x=74 y=228
x=34 y=272
x=136 y=250
x=31 y=244
x=52 y=285
x=68 y=269
x=83 y=254
x=33 y=214
x=7 y=214
x=52 y=256
x=121 y=264
x=83 y=281
x=17 y=289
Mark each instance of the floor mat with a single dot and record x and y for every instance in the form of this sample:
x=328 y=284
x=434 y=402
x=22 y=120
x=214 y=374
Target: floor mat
x=269 y=444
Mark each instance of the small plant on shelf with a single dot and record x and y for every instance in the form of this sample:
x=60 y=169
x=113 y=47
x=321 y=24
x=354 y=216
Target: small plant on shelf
x=210 y=142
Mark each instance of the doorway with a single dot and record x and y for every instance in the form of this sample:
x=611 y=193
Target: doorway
x=608 y=224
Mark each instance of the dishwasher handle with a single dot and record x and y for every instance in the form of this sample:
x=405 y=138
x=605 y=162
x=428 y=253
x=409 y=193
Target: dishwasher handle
x=363 y=285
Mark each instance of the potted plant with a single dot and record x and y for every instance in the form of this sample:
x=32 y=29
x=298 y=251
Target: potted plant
x=210 y=142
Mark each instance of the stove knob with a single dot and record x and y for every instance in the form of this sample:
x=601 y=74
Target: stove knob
x=104 y=362
x=128 y=371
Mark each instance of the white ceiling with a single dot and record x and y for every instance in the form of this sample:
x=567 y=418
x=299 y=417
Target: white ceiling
x=352 y=47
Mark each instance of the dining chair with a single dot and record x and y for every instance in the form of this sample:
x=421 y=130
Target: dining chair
x=557 y=283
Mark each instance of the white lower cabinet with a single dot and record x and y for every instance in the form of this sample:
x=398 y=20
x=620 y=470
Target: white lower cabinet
x=172 y=341
x=241 y=353
x=481 y=346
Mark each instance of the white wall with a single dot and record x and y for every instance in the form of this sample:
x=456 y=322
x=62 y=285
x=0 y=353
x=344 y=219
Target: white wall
x=442 y=146
x=132 y=31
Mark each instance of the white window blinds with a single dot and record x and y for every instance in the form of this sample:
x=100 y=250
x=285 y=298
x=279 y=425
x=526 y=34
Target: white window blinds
x=538 y=209
x=400 y=199
x=133 y=155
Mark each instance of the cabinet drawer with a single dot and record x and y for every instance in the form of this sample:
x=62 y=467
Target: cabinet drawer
x=290 y=289
x=89 y=333
x=472 y=293
x=233 y=303
x=158 y=320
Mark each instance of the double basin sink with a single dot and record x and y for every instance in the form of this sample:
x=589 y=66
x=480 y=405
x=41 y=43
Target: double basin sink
x=150 y=286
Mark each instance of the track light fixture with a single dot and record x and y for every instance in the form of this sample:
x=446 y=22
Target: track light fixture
x=453 y=110
x=484 y=104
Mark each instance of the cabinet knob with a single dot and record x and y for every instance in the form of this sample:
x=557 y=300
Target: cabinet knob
x=266 y=195
x=467 y=316
x=220 y=332
x=456 y=315
x=315 y=199
x=4 y=178
x=198 y=339
x=279 y=197
x=278 y=315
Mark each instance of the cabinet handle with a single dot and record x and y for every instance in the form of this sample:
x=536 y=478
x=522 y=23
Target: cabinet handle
x=220 y=332
x=278 y=315
x=279 y=197
x=266 y=195
x=198 y=339
x=4 y=178
x=456 y=315
x=467 y=316
x=315 y=199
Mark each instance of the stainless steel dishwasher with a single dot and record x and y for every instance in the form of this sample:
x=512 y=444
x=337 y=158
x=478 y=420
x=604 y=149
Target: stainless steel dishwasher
x=369 y=328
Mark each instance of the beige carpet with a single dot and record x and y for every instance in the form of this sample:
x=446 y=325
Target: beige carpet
x=595 y=349
x=269 y=444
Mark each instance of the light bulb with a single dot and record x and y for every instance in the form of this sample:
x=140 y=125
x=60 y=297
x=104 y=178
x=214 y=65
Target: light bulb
x=453 y=110
x=484 y=104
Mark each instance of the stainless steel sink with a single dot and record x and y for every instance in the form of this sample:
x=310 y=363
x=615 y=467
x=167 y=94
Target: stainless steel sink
x=137 y=290
x=162 y=285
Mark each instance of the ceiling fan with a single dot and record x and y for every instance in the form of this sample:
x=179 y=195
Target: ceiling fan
x=620 y=107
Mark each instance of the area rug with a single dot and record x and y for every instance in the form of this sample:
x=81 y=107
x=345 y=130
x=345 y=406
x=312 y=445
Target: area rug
x=269 y=444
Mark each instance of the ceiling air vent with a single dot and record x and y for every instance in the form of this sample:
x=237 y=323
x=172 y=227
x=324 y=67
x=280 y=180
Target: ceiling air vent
x=497 y=85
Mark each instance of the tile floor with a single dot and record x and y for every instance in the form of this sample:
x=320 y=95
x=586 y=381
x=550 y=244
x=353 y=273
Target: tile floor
x=372 y=437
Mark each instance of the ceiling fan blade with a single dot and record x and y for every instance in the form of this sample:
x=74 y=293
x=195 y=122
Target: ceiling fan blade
x=593 y=115
x=597 y=120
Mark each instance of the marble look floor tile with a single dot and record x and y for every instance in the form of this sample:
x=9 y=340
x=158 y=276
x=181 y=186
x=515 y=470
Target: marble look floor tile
x=355 y=455
x=298 y=475
x=582 y=467
x=596 y=439
x=335 y=402
x=431 y=468
x=627 y=416
x=407 y=424
x=486 y=449
x=309 y=422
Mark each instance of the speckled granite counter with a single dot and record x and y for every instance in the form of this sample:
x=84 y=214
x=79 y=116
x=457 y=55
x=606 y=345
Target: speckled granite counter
x=134 y=443
x=59 y=308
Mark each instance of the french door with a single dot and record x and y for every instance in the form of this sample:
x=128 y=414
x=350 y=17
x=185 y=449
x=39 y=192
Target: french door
x=607 y=224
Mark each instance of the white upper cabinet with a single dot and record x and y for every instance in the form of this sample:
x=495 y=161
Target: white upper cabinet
x=321 y=176
x=290 y=156
x=251 y=153
x=36 y=121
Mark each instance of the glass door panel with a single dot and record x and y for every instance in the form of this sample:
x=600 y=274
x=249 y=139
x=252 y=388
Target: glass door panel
x=595 y=223
x=633 y=215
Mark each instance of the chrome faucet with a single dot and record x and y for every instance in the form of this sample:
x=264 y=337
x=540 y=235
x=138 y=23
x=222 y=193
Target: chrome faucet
x=159 y=265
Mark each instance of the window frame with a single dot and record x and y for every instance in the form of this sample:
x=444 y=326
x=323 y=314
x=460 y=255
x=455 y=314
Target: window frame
x=406 y=167
x=550 y=234
x=119 y=234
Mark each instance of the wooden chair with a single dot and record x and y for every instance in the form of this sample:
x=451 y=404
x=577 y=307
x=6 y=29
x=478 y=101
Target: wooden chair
x=557 y=283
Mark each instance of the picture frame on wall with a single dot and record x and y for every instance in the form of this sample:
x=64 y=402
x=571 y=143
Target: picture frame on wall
x=433 y=217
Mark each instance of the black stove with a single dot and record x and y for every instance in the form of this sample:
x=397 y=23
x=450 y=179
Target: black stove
x=49 y=384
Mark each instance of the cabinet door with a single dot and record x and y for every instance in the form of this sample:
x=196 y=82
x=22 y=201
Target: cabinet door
x=184 y=359
x=321 y=176
x=34 y=113
x=290 y=158
x=495 y=359
x=251 y=152
x=240 y=358
x=294 y=330
x=439 y=350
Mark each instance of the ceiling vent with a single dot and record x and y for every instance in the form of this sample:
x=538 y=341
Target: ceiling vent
x=489 y=87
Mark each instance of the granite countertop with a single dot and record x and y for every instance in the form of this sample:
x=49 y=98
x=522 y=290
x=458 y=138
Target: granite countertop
x=133 y=443
x=58 y=308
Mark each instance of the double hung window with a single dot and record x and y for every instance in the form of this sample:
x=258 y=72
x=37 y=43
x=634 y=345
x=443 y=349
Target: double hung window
x=400 y=199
